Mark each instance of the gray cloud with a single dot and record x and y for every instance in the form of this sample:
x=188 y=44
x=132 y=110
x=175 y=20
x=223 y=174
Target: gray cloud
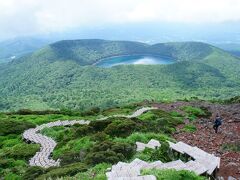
x=28 y=17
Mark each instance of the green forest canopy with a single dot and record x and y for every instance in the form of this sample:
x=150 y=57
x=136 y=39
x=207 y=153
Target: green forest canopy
x=61 y=75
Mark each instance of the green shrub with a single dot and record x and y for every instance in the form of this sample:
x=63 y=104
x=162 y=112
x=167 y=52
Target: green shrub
x=100 y=136
x=4 y=163
x=143 y=137
x=83 y=130
x=148 y=116
x=161 y=154
x=10 y=142
x=33 y=172
x=159 y=121
x=175 y=114
x=99 y=125
x=13 y=127
x=72 y=157
x=12 y=176
x=194 y=111
x=73 y=146
x=45 y=112
x=119 y=110
x=109 y=152
x=22 y=151
x=56 y=133
x=98 y=172
x=92 y=112
x=235 y=147
x=68 y=170
x=172 y=174
x=189 y=128
x=121 y=128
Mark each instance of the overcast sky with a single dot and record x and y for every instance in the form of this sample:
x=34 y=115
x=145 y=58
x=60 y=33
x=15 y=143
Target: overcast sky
x=28 y=17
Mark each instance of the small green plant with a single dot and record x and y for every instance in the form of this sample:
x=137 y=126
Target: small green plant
x=172 y=174
x=192 y=110
x=193 y=113
x=68 y=170
x=189 y=128
x=152 y=155
x=98 y=172
x=235 y=147
x=109 y=152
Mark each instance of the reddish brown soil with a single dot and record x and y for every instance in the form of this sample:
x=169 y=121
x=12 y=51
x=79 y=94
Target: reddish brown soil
x=205 y=137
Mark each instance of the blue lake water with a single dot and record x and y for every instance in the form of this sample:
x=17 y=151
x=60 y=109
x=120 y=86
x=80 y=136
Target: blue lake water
x=134 y=59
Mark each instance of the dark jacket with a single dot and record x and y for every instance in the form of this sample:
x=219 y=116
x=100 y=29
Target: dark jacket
x=218 y=121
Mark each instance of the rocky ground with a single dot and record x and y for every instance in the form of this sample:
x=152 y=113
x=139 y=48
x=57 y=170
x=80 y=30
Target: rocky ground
x=211 y=142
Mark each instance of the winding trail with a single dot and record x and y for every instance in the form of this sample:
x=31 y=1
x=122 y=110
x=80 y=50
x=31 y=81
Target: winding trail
x=43 y=157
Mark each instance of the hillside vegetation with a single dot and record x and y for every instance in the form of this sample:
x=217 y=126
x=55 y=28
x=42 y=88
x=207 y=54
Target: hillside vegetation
x=61 y=75
x=86 y=151
x=87 y=52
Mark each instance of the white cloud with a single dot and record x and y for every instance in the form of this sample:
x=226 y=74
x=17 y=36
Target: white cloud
x=37 y=16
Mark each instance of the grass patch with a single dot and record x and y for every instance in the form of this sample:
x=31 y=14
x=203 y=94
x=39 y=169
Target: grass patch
x=189 y=128
x=192 y=113
x=235 y=147
x=95 y=173
x=172 y=174
x=125 y=110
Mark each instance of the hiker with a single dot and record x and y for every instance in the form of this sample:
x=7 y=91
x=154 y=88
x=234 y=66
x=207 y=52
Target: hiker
x=217 y=123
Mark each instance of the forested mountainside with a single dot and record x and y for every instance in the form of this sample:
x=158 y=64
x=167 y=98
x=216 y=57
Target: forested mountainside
x=62 y=75
x=233 y=48
x=87 y=52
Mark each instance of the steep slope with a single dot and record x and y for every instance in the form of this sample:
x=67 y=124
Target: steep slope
x=184 y=51
x=233 y=48
x=87 y=52
x=59 y=78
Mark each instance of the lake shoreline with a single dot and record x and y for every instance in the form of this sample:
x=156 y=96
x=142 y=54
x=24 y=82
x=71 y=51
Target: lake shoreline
x=135 y=56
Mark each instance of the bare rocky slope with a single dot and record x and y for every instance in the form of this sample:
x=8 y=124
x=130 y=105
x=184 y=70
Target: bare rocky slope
x=205 y=137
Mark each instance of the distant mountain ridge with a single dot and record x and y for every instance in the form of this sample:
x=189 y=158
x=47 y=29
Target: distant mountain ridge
x=15 y=48
x=233 y=48
x=89 y=51
x=62 y=75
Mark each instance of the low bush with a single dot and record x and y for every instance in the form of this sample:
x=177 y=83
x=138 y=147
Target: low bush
x=22 y=151
x=13 y=127
x=33 y=172
x=189 y=128
x=109 y=152
x=83 y=130
x=11 y=176
x=91 y=112
x=172 y=174
x=143 y=137
x=161 y=154
x=73 y=146
x=159 y=121
x=195 y=111
x=235 y=147
x=97 y=126
x=121 y=128
x=68 y=170
x=100 y=136
x=45 y=112
x=98 y=172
